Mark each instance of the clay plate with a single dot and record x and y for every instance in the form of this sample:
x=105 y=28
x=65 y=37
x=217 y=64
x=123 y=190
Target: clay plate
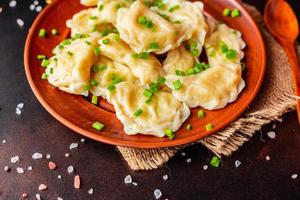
x=77 y=113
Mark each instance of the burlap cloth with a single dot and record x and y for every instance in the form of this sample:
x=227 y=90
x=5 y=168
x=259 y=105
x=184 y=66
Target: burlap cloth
x=274 y=99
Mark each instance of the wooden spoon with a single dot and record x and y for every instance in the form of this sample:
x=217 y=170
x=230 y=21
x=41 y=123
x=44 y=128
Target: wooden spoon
x=283 y=25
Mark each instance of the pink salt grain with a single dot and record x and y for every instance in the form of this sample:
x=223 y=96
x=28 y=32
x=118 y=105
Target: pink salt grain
x=77 y=182
x=52 y=165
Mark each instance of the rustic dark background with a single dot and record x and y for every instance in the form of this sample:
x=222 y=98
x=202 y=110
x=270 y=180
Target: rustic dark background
x=101 y=167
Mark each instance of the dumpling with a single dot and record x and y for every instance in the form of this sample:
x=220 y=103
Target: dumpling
x=224 y=47
x=69 y=69
x=164 y=112
x=211 y=89
x=178 y=59
x=89 y=2
x=188 y=19
x=80 y=23
x=144 y=30
x=145 y=67
x=106 y=73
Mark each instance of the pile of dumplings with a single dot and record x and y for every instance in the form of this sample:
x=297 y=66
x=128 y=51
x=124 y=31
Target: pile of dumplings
x=143 y=57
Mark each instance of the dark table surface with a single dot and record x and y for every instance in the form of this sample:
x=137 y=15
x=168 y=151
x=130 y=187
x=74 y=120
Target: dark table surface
x=100 y=166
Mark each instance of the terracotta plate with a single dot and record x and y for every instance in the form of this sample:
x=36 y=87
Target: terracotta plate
x=77 y=113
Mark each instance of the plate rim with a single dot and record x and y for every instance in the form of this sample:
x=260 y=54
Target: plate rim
x=135 y=144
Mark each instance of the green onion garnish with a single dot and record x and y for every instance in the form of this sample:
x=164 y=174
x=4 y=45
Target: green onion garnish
x=188 y=127
x=235 y=13
x=224 y=47
x=190 y=71
x=177 y=85
x=161 y=80
x=87 y=42
x=44 y=76
x=94 y=82
x=93 y=17
x=70 y=53
x=226 y=12
x=95 y=68
x=177 y=22
x=154 y=87
x=215 y=161
x=106 y=41
x=154 y=45
x=149 y=100
x=143 y=20
x=138 y=112
x=135 y=55
x=169 y=133
x=51 y=70
x=94 y=100
x=208 y=127
x=111 y=87
x=86 y=88
x=97 y=51
x=147 y=93
x=144 y=55
x=54 y=31
x=102 y=67
x=41 y=57
x=194 y=52
x=42 y=33
x=201 y=114
x=66 y=42
x=180 y=73
x=45 y=62
x=231 y=54
x=173 y=8
x=101 y=6
x=98 y=126
x=243 y=66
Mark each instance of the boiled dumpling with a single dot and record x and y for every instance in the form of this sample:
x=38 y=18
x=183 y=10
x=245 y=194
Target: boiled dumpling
x=69 y=69
x=106 y=73
x=164 y=112
x=147 y=69
x=89 y=2
x=178 y=59
x=144 y=30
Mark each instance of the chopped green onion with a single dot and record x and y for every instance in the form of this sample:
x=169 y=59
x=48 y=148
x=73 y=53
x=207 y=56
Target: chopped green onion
x=149 y=100
x=147 y=93
x=215 y=161
x=44 y=76
x=94 y=100
x=201 y=114
x=154 y=45
x=138 y=112
x=51 y=70
x=143 y=20
x=154 y=87
x=144 y=55
x=117 y=80
x=224 y=47
x=45 y=63
x=169 y=133
x=135 y=55
x=231 y=54
x=166 y=17
x=70 y=53
x=54 y=31
x=102 y=67
x=190 y=71
x=197 y=70
x=172 y=9
x=180 y=73
x=93 y=82
x=235 y=13
x=97 y=51
x=98 y=126
x=101 y=6
x=42 y=33
x=41 y=57
x=194 y=44
x=106 y=41
x=95 y=68
x=117 y=38
x=243 y=66
x=194 y=52
x=226 y=12
x=87 y=42
x=86 y=88
x=66 y=42
x=208 y=127
x=61 y=47
x=177 y=22
x=93 y=17
x=188 y=127
x=161 y=80
x=177 y=85
x=111 y=87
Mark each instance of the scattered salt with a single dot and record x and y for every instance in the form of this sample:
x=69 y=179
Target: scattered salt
x=37 y=155
x=73 y=145
x=20 y=23
x=18 y=111
x=24 y=195
x=128 y=179
x=59 y=198
x=294 y=176
x=274 y=126
x=59 y=176
x=237 y=163
x=134 y=183
x=77 y=182
x=48 y=156
x=52 y=165
x=268 y=158
x=32 y=7
x=38 y=196
x=36 y=3
x=91 y=191
x=165 y=177
x=67 y=155
x=14 y=159
x=70 y=169
x=6 y=168
x=3 y=141
x=20 y=170
x=183 y=153
x=12 y=3
x=188 y=160
x=271 y=134
x=205 y=167
x=29 y=168
x=42 y=187
x=38 y=8
x=82 y=140
x=20 y=105
x=157 y=193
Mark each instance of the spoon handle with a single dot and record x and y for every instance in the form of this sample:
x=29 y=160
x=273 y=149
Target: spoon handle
x=293 y=60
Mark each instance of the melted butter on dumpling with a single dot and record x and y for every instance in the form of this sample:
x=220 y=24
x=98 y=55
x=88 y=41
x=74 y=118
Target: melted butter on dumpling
x=162 y=113
x=69 y=69
x=107 y=72
x=147 y=70
x=144 y=30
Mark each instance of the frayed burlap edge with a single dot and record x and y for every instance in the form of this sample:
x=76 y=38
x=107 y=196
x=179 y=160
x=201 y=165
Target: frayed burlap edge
x=230 y=139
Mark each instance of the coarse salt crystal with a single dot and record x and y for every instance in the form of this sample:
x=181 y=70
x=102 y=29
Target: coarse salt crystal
x=70 y=169
x=36 y=3
x=205 y=167
x=91 y=191
x=59 y=176
x=37 y=155
x=42 y=187
x=268 y=158
x=237 y=163
x=20 y=105
x=274 y=126
x=294 y=176
x=73 y=145
x=18 y=111
x=38 y=8
x=77 y=182
x=6 y=168
x=20 y=22
x=188 y=160
x=12 y=3
x=52 y=165
x=20 y=170
x=165 y=177
x=82 y=140
x=128 y=179
x=3 y=141
x=24 y=195
x=29 y=168
x=59 y=198
x=157 y=193
x=14 y=159
x=271 y=134
x=183 y=154
x=48 y=156
x=134 y=183
x=38 y=196
x=32 y=7
x=67 y=155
